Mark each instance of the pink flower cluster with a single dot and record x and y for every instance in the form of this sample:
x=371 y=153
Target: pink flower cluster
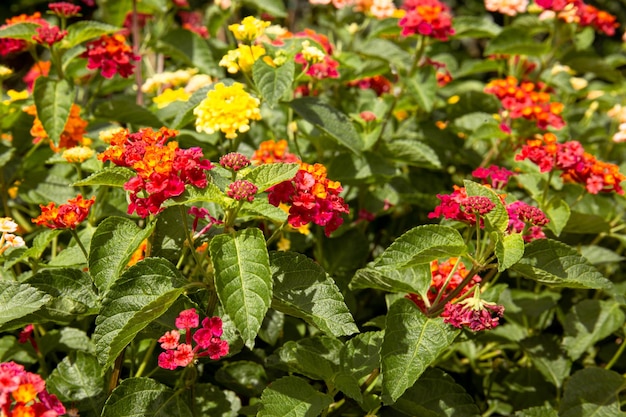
x=49 y=35
x=498 y=176
x=378 y=83
x=207 y=340
x=64 y=9
x=461 y=207
x=23 y=394
x=427 y=17
x=242 y=190
x=473 y=313
x=111 y=55
x=163 y=169
x=577 y=165
x=527 y=220
x=327 y=68
x=583 y=14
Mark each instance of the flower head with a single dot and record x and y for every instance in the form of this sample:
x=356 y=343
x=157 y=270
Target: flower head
x=64 y=9
x=271 y=151
x=49 y=35
x=65 y=216
x=242 y=58
x=508 y=7
x=228 y=109
x=193 y=22
x=234 y=161
x=242 y=190
x=527 y=220
x=207 y=340
x=111 y=55
x=249 y=29
x=77 y=154
x=427 y=17
x=473 y=313
x=73 y=132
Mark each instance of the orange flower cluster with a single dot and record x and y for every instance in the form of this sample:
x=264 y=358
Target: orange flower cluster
x=527 y=100
x=65 y=216
x=72 y=135
x=270 y=152
x=111 y=55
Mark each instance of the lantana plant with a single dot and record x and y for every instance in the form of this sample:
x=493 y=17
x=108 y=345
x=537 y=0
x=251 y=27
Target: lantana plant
x=322 y=208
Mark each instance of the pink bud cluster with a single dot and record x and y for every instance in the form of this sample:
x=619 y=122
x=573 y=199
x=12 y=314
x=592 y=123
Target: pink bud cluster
x=498 y=176
x=527 y=220
x=207 y=340
x=234 y=161
x=242 y=190
x=473 y=313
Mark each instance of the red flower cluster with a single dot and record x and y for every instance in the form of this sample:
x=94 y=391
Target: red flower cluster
x=527 y=100
x=498 y=176
x=583 y=14
x=207 y=338
x=111 y=55
x=66 y=216
x=64 y=9
x=527 y=220
x=10 y=45
x=49 y=35
x=311 y=195
x=577 y=165
x=440 y=272
x=378 y=83
x=460 y=207
x=427 y=17
x=193 y=22
x=163 y=169
x=23 y=394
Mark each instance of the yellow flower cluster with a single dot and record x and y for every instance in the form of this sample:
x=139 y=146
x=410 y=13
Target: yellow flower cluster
x=77 y=154
x=228 y=109
x=242 y=58
x=249 y=29
x=168 y=79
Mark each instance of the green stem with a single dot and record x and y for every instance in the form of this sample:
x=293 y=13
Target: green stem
x=438 y=308
x=146 y=359
x=276 y=234
x=617 y=354
x=190 y=243
x=80 y=244
x=447 y=281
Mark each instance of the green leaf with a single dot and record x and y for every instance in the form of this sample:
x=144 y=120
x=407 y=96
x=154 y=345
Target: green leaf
x=411 y=152
x=143 y=293
x=415 y=279
x=18 y=300
x=412 y=343
x=423 y=88
x=79 y=381
x=593 y=392
x=190 y=49
x=243 y=279
x=268 y=175
x=548 y=357
x=112 y=245
x=53 y=100
x=475 y=27
x=72 y=291
x=273 y=82
x=421 y=245
x=86 y=30
x=210 y=400
x=542 y=411
x=588 y=322
x=145 y=397
x=260 y=208
x=385 y=50
x=275 y=8
x=302 y=289
x=209 y=194
x=556 y=264
x=315 y=357
x=125 y=110
x=244 y=377
x=516 y=41
x=292 y=396
x=330 y=120
x=361 y=354
x=509 y=250
x=496 y=219
x=558 y=212
x=24 y=31
x=437 y=394
x=111 y=176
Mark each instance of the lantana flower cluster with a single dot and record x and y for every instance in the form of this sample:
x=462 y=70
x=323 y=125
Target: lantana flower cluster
x=24 y=394
x=581 y=13
x=527 y=100
x=577 y=165
x=430 y=18
x=245 y=55
x=11 y=45
x=207 y=340
x=228 y=109
x=508 y=7
x=111 y=55
x=8 y=239
x=65 y=216
x=163 y=169
x=311 y=196
x=473 y=313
